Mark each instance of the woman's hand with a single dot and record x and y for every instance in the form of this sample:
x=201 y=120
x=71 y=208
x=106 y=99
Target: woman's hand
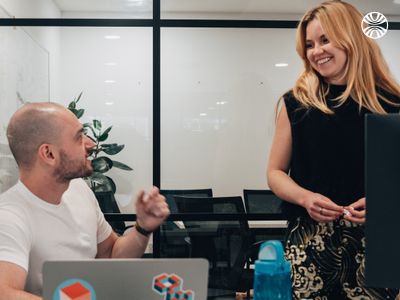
x=321 y=208
x=356 y=211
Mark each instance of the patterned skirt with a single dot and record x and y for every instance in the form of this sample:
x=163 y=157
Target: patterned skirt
x=328 y=261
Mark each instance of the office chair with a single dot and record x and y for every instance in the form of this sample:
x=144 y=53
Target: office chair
x=262 y=201
x=170 y=194
x=223 y=243
x=175 y=242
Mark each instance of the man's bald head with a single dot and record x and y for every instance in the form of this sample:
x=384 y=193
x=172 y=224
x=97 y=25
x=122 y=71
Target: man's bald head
x=31 y=126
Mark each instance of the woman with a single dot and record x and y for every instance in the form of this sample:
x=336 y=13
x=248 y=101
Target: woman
x=316 y=160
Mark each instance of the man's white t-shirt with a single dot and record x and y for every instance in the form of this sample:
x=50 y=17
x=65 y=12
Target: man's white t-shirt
x=33 y=231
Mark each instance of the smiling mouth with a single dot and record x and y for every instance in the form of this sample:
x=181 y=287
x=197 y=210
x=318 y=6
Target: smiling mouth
x=323 y=60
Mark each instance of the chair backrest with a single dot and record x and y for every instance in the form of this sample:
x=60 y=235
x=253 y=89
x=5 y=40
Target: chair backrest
x=170 y=194
x=262 y=201
x=223 y=243
x=195 y=204
x=175 y=240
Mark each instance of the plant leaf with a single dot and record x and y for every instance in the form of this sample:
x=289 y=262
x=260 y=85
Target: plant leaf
x=79 y=98
x=103 y=137
x=102 y=164
x=79 y=113
x=73 y=110
x=109 y=145
x=111 y=149
x=100 y=183
x=122 y=166
x=72 y=105
x=88 y=125
x=107 y=131
x=97 y=124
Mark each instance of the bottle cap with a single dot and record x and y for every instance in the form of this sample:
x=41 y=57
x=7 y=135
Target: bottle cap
x=271 y=259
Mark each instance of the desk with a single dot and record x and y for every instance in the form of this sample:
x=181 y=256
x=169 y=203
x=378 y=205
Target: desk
x=267 y=224
x=173 y=240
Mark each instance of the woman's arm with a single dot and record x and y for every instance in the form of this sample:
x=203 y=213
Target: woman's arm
x=319 y=207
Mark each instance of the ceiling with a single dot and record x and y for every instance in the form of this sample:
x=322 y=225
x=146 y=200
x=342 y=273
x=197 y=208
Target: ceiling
x=389 y=7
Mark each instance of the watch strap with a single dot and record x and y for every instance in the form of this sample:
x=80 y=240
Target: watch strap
x=141 y=230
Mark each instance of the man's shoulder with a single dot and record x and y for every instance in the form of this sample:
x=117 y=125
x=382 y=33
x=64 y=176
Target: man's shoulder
x=12 y=203
x=12 y=195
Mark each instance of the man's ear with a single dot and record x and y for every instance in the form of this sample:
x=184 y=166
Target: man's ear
x=47 y=154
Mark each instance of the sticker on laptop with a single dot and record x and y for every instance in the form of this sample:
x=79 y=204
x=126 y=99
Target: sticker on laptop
x=171 y=285
x=74 y=289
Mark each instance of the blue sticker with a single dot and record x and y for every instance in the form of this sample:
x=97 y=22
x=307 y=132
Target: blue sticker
x=74 y=288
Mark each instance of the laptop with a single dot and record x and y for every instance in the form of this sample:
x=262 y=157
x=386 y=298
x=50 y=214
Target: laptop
x=123 y=279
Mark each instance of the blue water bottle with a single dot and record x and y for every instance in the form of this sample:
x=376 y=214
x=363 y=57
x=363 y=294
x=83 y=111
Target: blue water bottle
x=272 y=273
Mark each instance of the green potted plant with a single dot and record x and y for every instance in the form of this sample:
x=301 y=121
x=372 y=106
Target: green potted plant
x=98 y=181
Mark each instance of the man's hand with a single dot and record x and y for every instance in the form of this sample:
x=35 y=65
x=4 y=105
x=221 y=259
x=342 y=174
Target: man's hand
x=356 y=211
x=151 y=209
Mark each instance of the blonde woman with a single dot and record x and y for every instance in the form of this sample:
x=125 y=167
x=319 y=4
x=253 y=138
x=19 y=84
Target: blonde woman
x=316 y=160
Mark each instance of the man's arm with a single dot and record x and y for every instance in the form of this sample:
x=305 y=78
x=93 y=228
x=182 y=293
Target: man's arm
x=131 y=245
x=12 y=283
x=151 y=211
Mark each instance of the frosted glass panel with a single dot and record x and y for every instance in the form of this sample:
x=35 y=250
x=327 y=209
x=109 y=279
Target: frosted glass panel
x=218 y=95
x=113 y=69
x=24 y=77
x=389 y=46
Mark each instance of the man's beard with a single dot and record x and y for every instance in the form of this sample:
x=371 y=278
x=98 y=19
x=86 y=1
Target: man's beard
x=70 y=169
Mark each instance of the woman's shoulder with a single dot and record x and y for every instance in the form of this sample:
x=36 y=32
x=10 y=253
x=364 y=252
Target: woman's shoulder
x=386 y=95
x=289 y=97
x=290 y=100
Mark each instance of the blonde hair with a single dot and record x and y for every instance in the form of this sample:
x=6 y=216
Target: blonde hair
x=365 y=68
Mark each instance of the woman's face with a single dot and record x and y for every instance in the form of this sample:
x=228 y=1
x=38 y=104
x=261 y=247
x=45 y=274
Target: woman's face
x=328 y=60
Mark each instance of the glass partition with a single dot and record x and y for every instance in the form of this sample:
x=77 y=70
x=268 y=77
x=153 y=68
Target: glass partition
x=112 y=67
x=24 y=77
x=219 y=90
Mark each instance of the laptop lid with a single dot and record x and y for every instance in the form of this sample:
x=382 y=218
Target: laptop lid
x=122 y=279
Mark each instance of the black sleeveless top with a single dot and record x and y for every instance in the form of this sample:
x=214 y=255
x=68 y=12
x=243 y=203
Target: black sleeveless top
x=328 y=150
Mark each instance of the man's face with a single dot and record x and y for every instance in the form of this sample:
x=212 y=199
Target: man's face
x=74 y=150
x=70 y=168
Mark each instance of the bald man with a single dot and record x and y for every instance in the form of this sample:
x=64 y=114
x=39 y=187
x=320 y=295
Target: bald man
x=51 y=213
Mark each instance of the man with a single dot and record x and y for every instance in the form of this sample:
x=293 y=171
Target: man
x=51 y=213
